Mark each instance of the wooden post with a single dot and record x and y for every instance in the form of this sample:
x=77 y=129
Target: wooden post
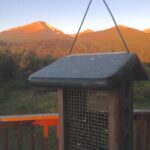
x=57 y=136
x=5 y=138
x=45 y=137
x=121 y=116
x=33 y=138
x=148 y=133
x=114 y=127
x=140 y=128
x=61 y=118
x=19 y=138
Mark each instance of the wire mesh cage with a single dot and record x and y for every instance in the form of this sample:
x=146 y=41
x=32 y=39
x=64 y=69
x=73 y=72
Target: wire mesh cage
x=86 y=118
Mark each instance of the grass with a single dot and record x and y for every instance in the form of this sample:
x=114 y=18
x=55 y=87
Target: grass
x=142 y=105
x=28 y=101
x=39 y=101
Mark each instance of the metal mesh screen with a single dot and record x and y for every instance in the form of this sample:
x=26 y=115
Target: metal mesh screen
x=86 y=119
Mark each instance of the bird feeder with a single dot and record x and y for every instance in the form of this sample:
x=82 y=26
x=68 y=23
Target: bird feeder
x=95 y=94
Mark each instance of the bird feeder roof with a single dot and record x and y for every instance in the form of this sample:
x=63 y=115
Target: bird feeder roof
x=104 y=70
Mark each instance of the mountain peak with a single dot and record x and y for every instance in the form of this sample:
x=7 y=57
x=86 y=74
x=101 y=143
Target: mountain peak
x=35 y=31
x=122 y=26
x=86 y=31
x=35 y=27
x=127 y=29
x=44 y=24
x=49 y=26
x=147 y=30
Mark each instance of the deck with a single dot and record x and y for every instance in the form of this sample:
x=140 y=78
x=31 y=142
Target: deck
x=20 y=122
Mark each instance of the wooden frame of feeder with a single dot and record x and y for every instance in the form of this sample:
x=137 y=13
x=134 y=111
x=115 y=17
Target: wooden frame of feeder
x=120 y=107
x=87 y=71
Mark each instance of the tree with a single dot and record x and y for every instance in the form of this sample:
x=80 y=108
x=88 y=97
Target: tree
x=31 y=62
x=8 y=66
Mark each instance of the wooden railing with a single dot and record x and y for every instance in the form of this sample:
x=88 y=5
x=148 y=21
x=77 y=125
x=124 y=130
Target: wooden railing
x=32 y=121
x=142 y=129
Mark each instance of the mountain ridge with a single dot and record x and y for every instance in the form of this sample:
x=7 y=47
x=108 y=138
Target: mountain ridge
x=45 y=39
x=34 y=26
x=35 y=31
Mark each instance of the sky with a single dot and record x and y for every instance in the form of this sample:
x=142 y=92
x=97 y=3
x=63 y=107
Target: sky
x=66 y=15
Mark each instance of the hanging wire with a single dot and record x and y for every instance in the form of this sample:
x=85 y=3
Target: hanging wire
x=118 y=30
x=73 y=44
x=113 y=18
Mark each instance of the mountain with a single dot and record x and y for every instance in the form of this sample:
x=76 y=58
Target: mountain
x=83 y=32
x=86 y=31
x=47 y=40
x=109 y=40
x=112 y=35
x=147 y=30
x=36 y=31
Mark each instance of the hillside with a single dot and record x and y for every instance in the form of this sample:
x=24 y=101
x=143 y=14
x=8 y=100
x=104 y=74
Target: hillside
x=83 y=32
x=109 y=39
x=47 y=40
x=36 y=31
x=112 y=35
x=54 y=47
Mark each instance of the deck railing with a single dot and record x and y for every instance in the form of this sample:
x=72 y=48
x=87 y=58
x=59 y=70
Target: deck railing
x=141 y=129
x=21 y=121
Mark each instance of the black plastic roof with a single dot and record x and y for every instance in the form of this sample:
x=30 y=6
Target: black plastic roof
x=103 y=70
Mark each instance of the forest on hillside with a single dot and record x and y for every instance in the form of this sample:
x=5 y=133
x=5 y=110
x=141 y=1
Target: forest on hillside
x=15 y=68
